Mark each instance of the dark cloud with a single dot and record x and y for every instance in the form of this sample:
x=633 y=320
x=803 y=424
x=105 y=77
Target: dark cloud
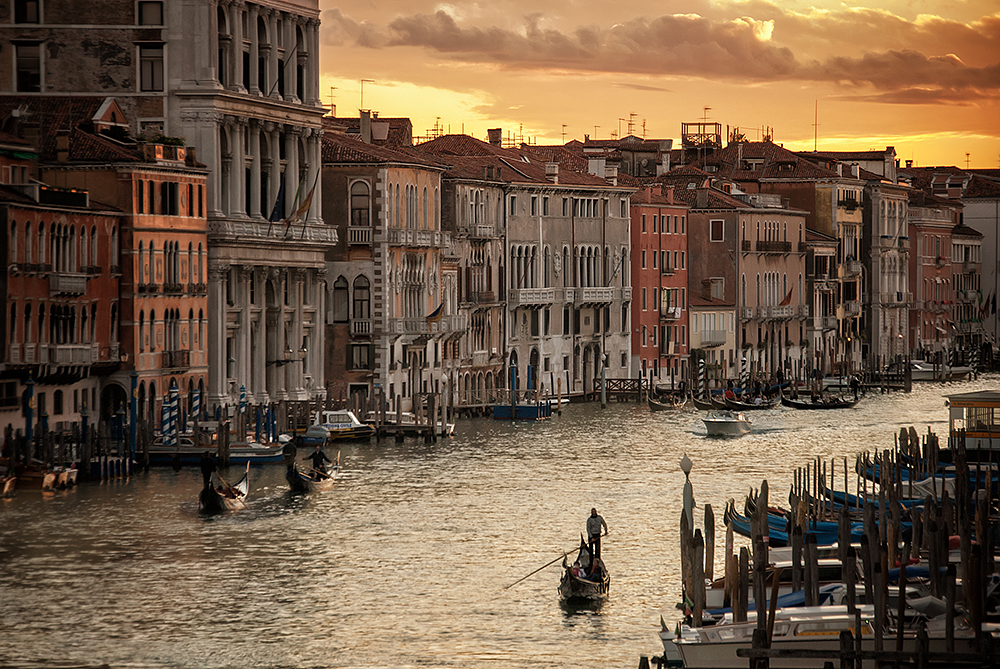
x=741 y=49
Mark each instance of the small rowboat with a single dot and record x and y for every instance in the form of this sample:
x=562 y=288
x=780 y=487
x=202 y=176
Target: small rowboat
x=219 y=496
x=7 y=484
x=583 y=589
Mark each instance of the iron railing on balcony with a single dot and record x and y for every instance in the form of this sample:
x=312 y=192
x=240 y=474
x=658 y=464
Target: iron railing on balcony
x=176 y=359
x=711 y=338
x=670 y=313
x=764 y=246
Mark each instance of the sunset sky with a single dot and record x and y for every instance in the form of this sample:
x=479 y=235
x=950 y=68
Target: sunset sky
x=918 y=75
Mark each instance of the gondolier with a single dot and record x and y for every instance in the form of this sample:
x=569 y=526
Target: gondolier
x=594 y=525
x=318 y=457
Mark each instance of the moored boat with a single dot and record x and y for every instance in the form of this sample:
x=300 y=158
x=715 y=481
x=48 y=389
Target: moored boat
x=583 y=582
x=666 y=402
x=704 y=404
x=754 y=404
x=240 y=453
x=343 y=425
x=219 y=496
x=726 y=423
x=822 y=402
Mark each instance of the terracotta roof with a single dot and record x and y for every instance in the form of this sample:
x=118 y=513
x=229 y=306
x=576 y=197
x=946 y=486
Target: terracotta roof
x=338 y=148
x=9 y=139
x=753 y=161
x=400 y=128
x=696 y=300
x=716 y=199
x=980 y=187
x=963 y=230
x=814 y=236
x=850 y=155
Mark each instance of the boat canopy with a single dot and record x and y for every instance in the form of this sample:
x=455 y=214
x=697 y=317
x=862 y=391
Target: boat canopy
x=978 y=414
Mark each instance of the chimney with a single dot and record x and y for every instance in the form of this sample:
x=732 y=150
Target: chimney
x=909 y=164
x=611 y=174
x=595 y=166
x=667 y=192
x=701 y=198
x=495 y=136
x=189 y=157
x=586 y=138
x=366 y=126
x=62 y=145
x=552 y=172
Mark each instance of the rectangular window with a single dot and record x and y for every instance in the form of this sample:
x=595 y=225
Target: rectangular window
x=644 y=299
x=717 y=230
x=565 y=206
x=644 y=223
x=26 y=11
x=683 y=225
x=644 y=258
x=140 y=197
x=654 y=223
x=29 y=67
x=513 y=204
x=565 y=329
x=534 y=205
x=548 y=323
x=151 y=68
x=654 y=259
x=150 y=13
x=361 y=356
x=545 y=206
x=683 y=260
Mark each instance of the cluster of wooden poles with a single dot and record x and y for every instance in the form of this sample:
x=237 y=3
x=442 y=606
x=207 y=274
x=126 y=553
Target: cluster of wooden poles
x=885 y=503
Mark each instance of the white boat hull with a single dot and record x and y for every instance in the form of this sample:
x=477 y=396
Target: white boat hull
x=726 y=424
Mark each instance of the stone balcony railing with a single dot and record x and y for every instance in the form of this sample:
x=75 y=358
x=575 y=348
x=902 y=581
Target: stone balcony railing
x=593 y=295
x=415 y=238
x=359 y=235
x=65 y=283
x=746 y=313
x=852 y=308
x=828 y=322
x=530 y=296
x=804 y=310
x=851 y=268
x=219 y=229
x=73 y=354
x=361 y=327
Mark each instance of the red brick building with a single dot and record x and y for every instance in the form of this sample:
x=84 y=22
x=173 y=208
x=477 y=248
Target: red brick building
x=659 y=285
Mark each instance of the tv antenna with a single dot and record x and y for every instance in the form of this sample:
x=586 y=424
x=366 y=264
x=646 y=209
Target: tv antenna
x=564 y=133
x=816 y=127
x=370 y=81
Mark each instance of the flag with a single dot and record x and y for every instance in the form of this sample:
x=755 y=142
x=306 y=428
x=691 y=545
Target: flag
x=304 y=207
x=436 y=315
x=279 y=204
x=788 y=298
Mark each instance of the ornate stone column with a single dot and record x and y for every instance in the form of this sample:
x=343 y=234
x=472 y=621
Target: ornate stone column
x=238 y=179
x=252 y=10
x=274 y=171
x=298 y=331
x=236 y=23
x=254 y=185
x=292 y=134
x=292 y=92
x=273 y=62
x=313 y=151
x=218 y=386
x=311 y=94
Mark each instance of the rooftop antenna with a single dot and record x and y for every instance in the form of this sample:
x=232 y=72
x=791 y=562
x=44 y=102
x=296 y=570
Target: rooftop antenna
x=706 y=110
x=966 y=160
x=644 y=128
x=595 y=131
x=816 y=127
x=631 y=122
x=620 y=126
x=333 y=107
x=370 y=81
x=564 y=133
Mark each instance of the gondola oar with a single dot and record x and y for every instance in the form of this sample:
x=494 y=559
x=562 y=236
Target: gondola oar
x=540 y=568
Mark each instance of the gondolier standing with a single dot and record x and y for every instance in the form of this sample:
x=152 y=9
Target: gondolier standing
x=594 y=525
x=318 y=457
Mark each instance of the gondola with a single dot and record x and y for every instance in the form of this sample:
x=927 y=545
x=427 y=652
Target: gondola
x=737 y=405
x=312 y=480
x=704 y=405
x=667 y=403
x=219 y=496
x=822 y=403
x=575 y=589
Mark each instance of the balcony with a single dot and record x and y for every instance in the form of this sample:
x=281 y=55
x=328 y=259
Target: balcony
x=176 y=359
x=712 y=338
x=745 y=246
x=409 y=326
x=828 y=322
x=774 y=247
x=886 y=241
x=763 y=312
x=361 y=327
x=480 y=358
x=783 y=312
x=63 y=283
x=72 y=354
x=359 y=235
x=246 y=230
x=485 y=297
x=746 y=313
x=482 y=231
x=197 y=288
x=670 y=314
x=904 y=242
x=667 y=271
x=526 y=297
x=416 y=238
x=851 y=267
x=173 y=288
x=804 y=310
x=970 y=268
x=626 y=293
x=852 y=308
x=595 y=295
x=849 y=205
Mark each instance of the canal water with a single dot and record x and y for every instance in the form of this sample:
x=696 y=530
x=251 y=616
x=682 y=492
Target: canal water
x=407 y=561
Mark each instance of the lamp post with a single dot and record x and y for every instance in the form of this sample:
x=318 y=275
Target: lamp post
x=686 y=465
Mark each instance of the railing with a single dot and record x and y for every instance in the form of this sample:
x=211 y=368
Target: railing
x=486 y=297
x=828 y=322
x=745 y=246
x=711 y=338
x=746 y=313
x=528 y=296
x=176 y=359
x=852 y=308
x=904 y=242
x=804 y=310
x=774 y=247
x=173 y=288
x=782 y=311
x=197 y=288
x=408 y=237
x=886 y=241
x=852 y=268
x=849 y=205
x=763 y=312
x=361 y=327
x=359 y=235
x=62 y=283
x=970 y=268
x=72 y=354
x=14 y=354
x=482 y=231
x=667 y=270
x=596 y=295
x=250 y=229
x=626 y=293
x=480 y=358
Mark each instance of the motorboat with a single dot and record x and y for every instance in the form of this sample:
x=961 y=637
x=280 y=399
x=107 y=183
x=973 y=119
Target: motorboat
x=921 y=370
x=342 y=425
x=726 y=423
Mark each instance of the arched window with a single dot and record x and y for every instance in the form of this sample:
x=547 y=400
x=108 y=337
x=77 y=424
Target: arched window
x=360 y=207
x=152 y=330
x=362 y=298
x=424 y=209
x=27 y=243
x=13 y=323
x=27 y=323
x=340 y=301
x=41 y=243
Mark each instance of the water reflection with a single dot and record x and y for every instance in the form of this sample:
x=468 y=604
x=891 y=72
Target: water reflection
x=405 y=560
